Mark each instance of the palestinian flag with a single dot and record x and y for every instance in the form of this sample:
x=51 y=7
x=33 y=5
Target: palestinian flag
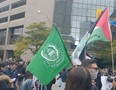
x=101 y=30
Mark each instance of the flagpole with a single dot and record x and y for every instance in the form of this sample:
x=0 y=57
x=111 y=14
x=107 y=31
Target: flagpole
x=112 y=63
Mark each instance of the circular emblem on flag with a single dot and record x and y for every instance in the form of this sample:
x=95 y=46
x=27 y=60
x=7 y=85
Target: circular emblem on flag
x=53 y=57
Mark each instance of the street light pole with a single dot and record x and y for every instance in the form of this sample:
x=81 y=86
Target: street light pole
x=45 y=16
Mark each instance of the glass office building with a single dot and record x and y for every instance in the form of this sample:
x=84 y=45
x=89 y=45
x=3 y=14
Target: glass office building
x=74 y=17
x=84 y=14
x=62 y=19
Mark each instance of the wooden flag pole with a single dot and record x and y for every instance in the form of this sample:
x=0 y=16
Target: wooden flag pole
x=112 y=64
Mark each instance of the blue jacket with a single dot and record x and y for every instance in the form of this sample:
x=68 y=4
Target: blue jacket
x=13 y=74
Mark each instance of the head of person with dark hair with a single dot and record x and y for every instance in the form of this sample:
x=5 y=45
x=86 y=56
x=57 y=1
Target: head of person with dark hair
x=28 y=75
x=91 y=65
x=20 y=60
x=110 y=72
x=12 y=65
x=78 y=78
x=3 y=67
x=87 y=62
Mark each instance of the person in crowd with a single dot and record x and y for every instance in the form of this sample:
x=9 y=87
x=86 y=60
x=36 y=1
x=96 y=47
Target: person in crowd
x=110 y=72
x=12 y=73
x=114 y=85
x=21 y=71
x=63 y=76
x=91 y=65
x=98 y=80
x=11 y=70
x=27 y=84
x=78 y=78
x=5 y=80
x=106 y=85
x=37 y=85
x=49 y=86
x=2 y=68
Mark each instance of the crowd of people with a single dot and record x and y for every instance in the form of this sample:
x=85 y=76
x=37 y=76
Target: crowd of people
x=14 y=76
x=87 y=76
x=13 y=72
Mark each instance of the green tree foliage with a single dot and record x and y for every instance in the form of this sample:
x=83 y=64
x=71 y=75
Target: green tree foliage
x=35 y=35
x=103 y=52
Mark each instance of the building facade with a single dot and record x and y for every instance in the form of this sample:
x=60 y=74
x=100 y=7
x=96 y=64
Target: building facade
x=15 y=16
x=72 y=17
x=84 y=14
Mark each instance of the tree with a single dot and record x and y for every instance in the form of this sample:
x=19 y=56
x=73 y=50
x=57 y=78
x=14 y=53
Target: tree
x=34 y=37
x=102 y=52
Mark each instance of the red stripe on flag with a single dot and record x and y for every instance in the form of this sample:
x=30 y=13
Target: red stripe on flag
x=104 y=24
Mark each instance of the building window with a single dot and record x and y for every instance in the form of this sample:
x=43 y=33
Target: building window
x=4 y=19
x=1 y=54
x=5 y=8
x=17 y=16
x=10 y=54
x=18 y=4
x=2 y=36
x=14 y=33
x=2 y=1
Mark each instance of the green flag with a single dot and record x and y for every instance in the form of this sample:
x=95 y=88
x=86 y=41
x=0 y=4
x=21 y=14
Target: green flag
x=51 y=58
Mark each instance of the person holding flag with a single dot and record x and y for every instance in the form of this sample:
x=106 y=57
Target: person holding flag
x=51 y=58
